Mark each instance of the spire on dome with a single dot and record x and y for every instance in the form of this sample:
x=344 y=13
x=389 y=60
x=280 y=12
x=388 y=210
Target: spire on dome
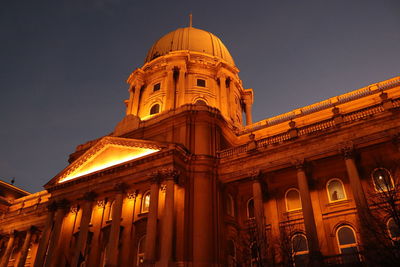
x=190 y=20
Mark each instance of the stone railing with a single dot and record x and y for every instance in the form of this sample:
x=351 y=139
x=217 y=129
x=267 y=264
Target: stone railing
x=308 y=129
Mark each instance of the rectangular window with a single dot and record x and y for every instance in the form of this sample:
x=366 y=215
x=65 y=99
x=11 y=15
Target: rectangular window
x=201 y=82
x=156 y=87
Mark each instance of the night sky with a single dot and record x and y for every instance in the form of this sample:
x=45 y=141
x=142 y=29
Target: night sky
x=63 y=63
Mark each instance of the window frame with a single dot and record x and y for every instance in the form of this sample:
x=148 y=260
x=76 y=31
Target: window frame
x=394 y=239
x=154 y=87
x=286 y=200
x=356 y=244
x=152 y=106
x=299 y=253
x=390 y=177
x=143 y=202
x=139 y=254
x=231 y=204
x=248 y=210
x=329 y=195
x=201 y=79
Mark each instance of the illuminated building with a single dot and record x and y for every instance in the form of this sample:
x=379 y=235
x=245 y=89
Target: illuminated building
x=182 y=181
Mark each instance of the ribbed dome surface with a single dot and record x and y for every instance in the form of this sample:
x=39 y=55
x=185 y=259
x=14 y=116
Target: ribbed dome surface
x=191 y=39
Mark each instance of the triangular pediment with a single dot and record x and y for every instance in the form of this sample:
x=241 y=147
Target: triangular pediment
x=107 y=152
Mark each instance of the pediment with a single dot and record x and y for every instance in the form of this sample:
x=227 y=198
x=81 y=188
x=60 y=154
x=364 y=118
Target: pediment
x=107 y=152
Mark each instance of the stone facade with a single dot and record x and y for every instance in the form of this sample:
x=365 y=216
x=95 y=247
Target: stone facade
x=183 y=182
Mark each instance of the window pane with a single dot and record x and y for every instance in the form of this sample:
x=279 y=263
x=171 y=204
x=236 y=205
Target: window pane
x=301 y=260
x=146 y=202
x=155 y=109
x=156 y=87
x=250 y=208
x=293 y=200
x=336 y=191
x=393 y=228
x=346 y=236
x=382 y=180
x=201 y=82
x=299 y=243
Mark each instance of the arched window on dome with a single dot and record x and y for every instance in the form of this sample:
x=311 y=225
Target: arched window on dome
x=231 y=251
x=382 y=179
x=348 y=245
x=145 y=202
x=335 y=190
x=394 y=231
x=250 y=208
x=200 y=102
x=230 y=205
x=140 y=251
x=300 y=250
x=201 y=83
x=293 y=201
x=155 y=109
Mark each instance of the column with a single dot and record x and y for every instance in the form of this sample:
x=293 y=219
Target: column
x=136 y=98
x=151 y=228
x=112 y=246
x=354 y=178
x=167 y=233
x=224 y=96
x=247 y=106
x=130 y=101
x=170 y=87
x=308 y=215
x=25 y=247
x=259 y=213
x=44 y=239
x=62 y=207
x=181 y=86
x=83 y=228
x=7 y=253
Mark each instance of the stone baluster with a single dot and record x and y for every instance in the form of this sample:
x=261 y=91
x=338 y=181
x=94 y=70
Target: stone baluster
x=151 y=227
x=83 y=228
x=167 y=233
x=112 y=246
x=45 y=236
x=9 y=249
x=62 y=207
x=308 y=214
x=25 y=247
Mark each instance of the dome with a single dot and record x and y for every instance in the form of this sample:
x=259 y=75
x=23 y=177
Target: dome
x=191 y=39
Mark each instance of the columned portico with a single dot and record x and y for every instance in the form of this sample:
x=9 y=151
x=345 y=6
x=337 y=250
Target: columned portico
x=84 y=228
x=62 y=207
x=25 y=247
x=151 y=228
x=9 y=248
x=112 y=246
x=308 y=214
x=167 y=233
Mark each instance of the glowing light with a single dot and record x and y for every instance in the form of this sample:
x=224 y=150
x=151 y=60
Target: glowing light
x=109 y=155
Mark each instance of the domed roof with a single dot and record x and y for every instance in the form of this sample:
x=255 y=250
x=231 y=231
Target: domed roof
x=191 y=39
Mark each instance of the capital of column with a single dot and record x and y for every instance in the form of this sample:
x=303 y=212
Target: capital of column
x=89 y=196
x=170 y=174
x=255 y=175
x=347 y=150
x=299 y=164
x=120 y=188
x=155 y=177
x=52 y=206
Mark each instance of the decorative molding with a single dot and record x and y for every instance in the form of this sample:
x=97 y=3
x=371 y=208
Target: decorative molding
x=299 y=163
x=101 y=203
x=132 y=195
x=347 y=149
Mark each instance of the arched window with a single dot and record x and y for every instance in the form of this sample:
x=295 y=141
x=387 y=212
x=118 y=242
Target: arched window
x=255 y=255
x=293 y=201
x=300 y=250
x=140 y=250
x=394 y=231
x=200 y=102
x=382 y=179
x=250 y=208
x=110 y=211
x=335 y=190
x=347 y=244
x=230 y=205
x=145 y=202
x=231 y=251
x=155 y=109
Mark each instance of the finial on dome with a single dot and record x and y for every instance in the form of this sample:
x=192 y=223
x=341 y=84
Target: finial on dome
x=190 y=20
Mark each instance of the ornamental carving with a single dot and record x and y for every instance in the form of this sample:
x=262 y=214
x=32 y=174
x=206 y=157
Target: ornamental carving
x=347 y=149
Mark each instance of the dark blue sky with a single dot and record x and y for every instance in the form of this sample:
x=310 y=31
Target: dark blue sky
x=63 y=64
